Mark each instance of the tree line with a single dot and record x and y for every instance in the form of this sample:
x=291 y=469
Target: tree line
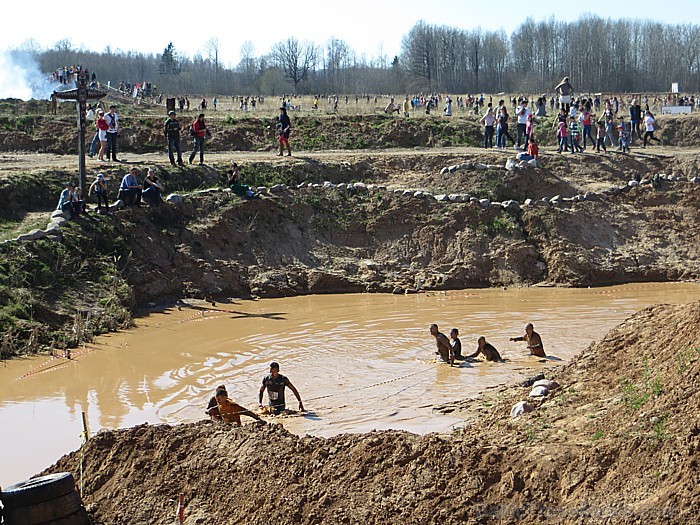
x=599 y=55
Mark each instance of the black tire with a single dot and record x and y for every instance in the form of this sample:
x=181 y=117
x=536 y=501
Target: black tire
x=77 y=518
x=44 y=512
x=37 y=490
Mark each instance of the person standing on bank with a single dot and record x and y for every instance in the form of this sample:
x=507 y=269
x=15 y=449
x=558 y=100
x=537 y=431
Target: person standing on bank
x=275 y=383
x=533 y=339
x=199 y=132
x=566 y=93
x=112 y=133
x=285 y=131
x=172 y=135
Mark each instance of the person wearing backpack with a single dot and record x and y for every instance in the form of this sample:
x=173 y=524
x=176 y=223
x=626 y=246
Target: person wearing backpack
x=112 y=120
x=198 y=131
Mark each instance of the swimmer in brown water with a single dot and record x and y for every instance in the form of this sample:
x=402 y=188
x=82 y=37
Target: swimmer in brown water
x=443 y=345
x=487 y=350
x=221 y=408
x=533 y=339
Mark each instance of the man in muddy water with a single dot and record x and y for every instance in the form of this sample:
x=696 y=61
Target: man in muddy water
x=533 y=339
x=487 y=350
x=444 y=348
x=221 y=408
x=275 y=383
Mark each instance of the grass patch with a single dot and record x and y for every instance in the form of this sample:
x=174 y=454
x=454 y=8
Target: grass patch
x=598 y=435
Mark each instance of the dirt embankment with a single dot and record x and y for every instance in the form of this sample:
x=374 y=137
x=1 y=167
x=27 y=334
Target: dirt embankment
x=326 y=240
x=618 y=443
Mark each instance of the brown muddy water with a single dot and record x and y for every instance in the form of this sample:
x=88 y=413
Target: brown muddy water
x=360 y=362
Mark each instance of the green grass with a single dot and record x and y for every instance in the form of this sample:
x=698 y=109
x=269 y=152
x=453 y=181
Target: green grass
x=598 y=435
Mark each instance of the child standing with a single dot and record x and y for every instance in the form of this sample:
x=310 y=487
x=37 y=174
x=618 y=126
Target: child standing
x=624 y=139
x=529 y=125
x=562 y=135
x=600 y=137
x=574 y=132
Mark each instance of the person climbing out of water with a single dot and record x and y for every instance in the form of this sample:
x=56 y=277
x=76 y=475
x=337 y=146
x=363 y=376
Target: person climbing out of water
x=487 y=350
x=275 y=383
x=221 y=408
x=456 y=343
x=533 y=339
x=443 y=345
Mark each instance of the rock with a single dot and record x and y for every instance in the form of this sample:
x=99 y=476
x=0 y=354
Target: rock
x=546 y=199
x=418 y=194
x=466 y=166
x=444 y=170
x=262 y=190
x=58 y=222
x=532 y=163
x=511 y=205
x=494 y=167
x=644 y=181
x=520 y=408
x=473 y=200
x=361 y=187
x=695 y=180
x=510 y=165
x=33 y=235
x=538 y=391
x=58 y=213
x=452 y=168
x=529 y=202
x=547 y=383
x=479 y=166
x=568 y=200
x=495 y=205
x=484 y=203
x=278 y=188
x=531 y=380
x=632 y=183
x=541 y=202
x=466 y=197
x=555 y=198
x=328 y=184
x=591 y=196
x=398 y=291
x=442 y=198
x=455 y=198
x=408 y=193
x=173 y=198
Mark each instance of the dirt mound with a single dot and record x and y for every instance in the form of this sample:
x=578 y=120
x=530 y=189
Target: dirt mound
x=617 y=444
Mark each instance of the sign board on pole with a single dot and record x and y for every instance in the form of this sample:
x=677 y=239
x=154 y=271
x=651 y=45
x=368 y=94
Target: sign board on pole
x=674 y=88
x=675 y=110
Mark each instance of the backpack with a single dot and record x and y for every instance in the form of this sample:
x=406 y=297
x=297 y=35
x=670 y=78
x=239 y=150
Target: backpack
x=191 y=131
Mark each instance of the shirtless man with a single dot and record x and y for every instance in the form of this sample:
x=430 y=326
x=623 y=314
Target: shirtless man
x=533 y=339
x=487 y=350
x=221 y=408
x=443 y=345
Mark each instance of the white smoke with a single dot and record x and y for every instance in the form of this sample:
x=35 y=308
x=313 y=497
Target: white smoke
x=21 y=77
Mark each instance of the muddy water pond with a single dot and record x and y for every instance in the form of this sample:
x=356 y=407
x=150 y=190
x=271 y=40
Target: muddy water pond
x=360 y=362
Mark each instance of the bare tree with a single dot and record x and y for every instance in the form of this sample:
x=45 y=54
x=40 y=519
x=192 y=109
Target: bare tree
x=212 y=49
x=63 y=45
x=295 y=59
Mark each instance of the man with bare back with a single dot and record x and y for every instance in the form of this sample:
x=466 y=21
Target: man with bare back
x=443 y=345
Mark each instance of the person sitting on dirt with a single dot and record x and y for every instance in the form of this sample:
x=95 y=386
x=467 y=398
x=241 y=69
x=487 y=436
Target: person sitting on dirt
x=221 y=408
x=130 y=189
x=152 y=188
x=98 y=188
x=237 y=187
x=533 y=339
x=487 y=350
x=444 y=348
x=275 y=384
x=65 y=201
x=456 y=343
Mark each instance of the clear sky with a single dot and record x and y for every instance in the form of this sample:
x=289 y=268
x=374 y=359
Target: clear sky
x=373 y=28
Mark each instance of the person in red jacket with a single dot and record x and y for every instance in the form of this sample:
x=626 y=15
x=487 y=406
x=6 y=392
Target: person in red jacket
x=199 y=133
